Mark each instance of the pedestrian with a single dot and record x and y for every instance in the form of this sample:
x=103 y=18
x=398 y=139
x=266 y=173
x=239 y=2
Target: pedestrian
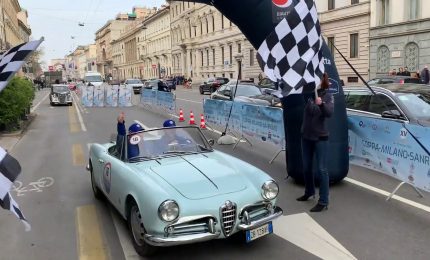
x=418 y=75
x=407 y=72
x=400 y=73
x=425 y=76
x=315 y=137
x=394 y=73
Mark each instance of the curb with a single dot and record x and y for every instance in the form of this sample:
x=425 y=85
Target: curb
x=18 y=134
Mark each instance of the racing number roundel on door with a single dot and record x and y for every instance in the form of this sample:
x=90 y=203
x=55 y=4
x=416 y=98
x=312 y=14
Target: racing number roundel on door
x=107 y=177
x=282 y=3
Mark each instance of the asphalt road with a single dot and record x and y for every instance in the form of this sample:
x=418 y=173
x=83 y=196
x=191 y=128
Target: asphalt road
x=69 y=223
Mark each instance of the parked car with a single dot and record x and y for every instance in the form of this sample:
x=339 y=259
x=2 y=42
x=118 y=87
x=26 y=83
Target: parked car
x=151 y=84
x=393 y=79
x=212 y=84
x=408 y=103
x=60 y=95
x=267 y=86
x=170 y=84
x=179 y=190
x=247 y=93
x=136 y=84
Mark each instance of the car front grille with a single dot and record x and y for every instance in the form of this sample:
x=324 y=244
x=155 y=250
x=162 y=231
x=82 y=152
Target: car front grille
x=228 y=217
x=62 y=98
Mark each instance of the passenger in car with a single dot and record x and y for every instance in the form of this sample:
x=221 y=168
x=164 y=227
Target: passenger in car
x=132 y=149
x=171 y=137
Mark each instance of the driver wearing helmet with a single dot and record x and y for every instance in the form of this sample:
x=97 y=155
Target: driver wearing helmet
x=171 y=137
x=132 y=149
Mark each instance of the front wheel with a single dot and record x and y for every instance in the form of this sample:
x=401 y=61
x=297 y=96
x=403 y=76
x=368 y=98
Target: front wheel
x=138 y=232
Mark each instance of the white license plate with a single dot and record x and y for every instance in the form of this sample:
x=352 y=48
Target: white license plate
x=259 y=232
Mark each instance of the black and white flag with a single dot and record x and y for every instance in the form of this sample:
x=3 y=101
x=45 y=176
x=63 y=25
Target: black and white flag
x=13 y=59
x=292 y=53
x=9 y=171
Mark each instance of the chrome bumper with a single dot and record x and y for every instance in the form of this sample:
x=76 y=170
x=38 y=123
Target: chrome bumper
x=181 y=240
x=277 y=212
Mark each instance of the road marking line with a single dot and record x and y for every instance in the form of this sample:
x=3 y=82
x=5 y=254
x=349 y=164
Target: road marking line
x=78 y=155
x=81 y=121
x=187 y=100
x=386 y=193
x=38 y=104
x=73 y=121
x=90 y=242
x=124 y=238
x=303 y=231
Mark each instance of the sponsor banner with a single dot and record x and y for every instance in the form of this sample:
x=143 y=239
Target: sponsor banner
x=112 y=95
x=99 y=96
x=259 y=122
x=125 y=94
x=87 y=96
x=392 y=148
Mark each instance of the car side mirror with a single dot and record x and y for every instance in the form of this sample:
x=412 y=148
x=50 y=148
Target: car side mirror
x=393 y=114
x=211 y=142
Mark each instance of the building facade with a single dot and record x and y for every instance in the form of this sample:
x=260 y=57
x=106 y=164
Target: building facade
x=154 y=46
x=12 y=32
x=24 y=28
x=206 y=44
x=345 y=24
x=110 y=32
x=399 y=35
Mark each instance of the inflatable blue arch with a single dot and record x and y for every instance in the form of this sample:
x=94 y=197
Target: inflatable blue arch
x=257 y=19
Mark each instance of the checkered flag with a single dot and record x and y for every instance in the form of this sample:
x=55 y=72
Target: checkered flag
x=13 y=59
x=9 y=171
x=293 y=52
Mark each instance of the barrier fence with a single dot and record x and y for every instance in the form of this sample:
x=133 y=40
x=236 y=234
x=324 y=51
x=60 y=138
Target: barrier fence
x=158 y=100
x=248 y=121
x=106 y=96
x=392 y=148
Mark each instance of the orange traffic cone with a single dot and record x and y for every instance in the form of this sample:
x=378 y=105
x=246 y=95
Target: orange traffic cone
x=202 y=122
x=192 y=122
x=181 y=115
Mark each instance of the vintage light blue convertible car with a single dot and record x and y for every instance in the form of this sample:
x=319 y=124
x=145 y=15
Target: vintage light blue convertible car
x=173 y=189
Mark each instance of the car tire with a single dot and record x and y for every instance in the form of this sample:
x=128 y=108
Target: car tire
x=137 y=231
x=201 y=91
x=97 y=192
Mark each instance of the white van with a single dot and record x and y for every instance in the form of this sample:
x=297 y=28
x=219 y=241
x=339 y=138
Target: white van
x=94 y=78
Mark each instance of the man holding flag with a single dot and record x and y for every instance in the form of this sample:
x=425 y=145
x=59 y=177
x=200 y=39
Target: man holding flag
x=10 y=62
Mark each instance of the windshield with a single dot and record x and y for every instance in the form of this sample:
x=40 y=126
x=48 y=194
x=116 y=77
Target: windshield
x=417 y=104
x=60 y=88
x=134 y=81
x=167 y=142
x=247 y=91
x=94 y=78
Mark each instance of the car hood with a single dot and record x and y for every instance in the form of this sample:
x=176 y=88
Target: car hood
x=199 y=177
x=96 y=83
x=252 y=100
x=135 y=85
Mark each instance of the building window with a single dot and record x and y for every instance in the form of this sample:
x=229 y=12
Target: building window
x=251 y=57
x=213 y=23
x=353 y=2
x=202 y=57
x=239 y=48
x=222 y=55
x=231 y=75
x=383 y=59
x=353 y=79
x=207 y=26
x=384 y=14
x=353 y=45
x=231 y=54
x=412 y=56
x=213 y=56
x=331 y=5
x=207 y=57
x=330 y=41
x=413 y=8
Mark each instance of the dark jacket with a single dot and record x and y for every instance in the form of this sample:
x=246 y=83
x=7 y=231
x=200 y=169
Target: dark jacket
x=132 y=149
x=425 y=76
x=314 y=126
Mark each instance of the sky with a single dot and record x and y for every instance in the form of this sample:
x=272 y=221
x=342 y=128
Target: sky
x=58 y=21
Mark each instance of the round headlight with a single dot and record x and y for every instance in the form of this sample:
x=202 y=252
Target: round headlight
x=168 y=210
x=270 y=190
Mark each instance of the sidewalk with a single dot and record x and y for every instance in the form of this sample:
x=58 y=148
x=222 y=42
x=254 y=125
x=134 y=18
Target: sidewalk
x=10 y=139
